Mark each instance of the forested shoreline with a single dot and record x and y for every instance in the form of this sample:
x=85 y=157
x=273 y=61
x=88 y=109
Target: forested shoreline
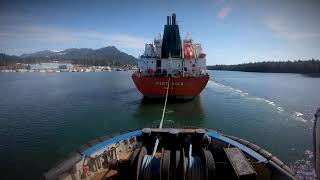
x=106 y=56
x=303 y=67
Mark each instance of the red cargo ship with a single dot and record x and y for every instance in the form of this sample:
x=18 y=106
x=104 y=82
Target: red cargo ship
x=170 y=62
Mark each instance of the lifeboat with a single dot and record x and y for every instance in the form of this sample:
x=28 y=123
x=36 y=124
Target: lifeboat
x=188 y=52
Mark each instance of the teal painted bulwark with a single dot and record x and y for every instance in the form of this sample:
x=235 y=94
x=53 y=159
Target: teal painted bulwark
x=239 y=145
x=116 y=139
x=108 y=142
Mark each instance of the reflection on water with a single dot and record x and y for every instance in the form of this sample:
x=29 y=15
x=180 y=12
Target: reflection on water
x=275 y=111
x=178 y=113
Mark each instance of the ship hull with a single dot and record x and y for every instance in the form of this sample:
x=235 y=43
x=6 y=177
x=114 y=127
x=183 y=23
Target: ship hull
x=179 y=88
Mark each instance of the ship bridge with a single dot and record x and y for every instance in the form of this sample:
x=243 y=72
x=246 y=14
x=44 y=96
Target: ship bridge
x=170 y=55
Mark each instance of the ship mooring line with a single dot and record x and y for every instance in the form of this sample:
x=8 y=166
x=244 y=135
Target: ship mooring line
x=155 y=147
x=161 y=122
x=165 y=105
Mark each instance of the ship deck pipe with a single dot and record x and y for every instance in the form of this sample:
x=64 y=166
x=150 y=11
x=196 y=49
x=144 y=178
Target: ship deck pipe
x=174 y=19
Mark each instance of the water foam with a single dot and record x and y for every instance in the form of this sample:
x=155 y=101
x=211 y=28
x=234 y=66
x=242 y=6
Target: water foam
x=280 y=109
x=245 y=94
x=168 y=111
x=303 y=168
x=301 y=119
x=228 y=88
x=296 y=115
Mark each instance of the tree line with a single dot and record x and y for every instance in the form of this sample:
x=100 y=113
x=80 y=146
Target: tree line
x=299 y=66
x=8 y=60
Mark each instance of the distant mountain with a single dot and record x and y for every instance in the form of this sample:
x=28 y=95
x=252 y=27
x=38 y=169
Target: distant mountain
x=45 y=53
x=104 y=56
x=7 y=59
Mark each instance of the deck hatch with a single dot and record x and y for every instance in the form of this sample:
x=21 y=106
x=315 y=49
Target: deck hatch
x=240 y=164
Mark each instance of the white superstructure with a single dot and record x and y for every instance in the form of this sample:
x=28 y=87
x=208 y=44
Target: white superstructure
x=192 y=63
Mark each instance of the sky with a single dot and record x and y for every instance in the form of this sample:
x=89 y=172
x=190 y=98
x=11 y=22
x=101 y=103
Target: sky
x=230 y=31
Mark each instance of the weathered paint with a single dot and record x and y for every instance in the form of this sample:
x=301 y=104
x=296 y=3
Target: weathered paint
x=108 y=142
x=239 y=145
x=179 y=86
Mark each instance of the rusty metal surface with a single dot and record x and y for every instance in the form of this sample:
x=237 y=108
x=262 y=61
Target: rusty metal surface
x=168 y=129
x=239 y=162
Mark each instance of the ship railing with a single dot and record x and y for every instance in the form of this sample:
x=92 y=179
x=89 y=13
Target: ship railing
x=139 y=74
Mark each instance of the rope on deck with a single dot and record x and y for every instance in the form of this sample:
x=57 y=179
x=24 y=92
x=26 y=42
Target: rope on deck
x=165 y=105
x=150 y=166
x=161 y=122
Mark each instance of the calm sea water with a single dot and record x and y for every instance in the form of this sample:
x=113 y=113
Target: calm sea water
x=45 y=116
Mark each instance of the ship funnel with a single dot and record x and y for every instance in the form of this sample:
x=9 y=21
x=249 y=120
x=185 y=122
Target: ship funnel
x=169 y=20
x=174 y=19
x=171 y=41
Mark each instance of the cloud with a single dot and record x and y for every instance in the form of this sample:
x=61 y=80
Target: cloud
x=119 y=39
x=224 y=12
x=8 y=18
x=282 y=28
x=13 y=37
x=219 y=2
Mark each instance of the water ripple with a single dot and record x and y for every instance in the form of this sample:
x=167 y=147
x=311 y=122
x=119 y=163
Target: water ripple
x=225 y=88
